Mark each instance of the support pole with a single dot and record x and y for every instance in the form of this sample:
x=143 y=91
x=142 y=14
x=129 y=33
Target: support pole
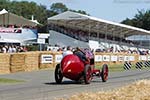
x=89 y=29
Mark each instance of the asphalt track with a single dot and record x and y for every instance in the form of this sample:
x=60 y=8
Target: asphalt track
x=40 y=85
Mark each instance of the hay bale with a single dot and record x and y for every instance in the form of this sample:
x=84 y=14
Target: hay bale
x=17 y=68
x=136 y=91
x=32 y=61
x=5 y=69
x=4 y=63
x=17 y=59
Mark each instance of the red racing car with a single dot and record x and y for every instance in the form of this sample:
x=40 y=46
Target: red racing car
x=79 y=67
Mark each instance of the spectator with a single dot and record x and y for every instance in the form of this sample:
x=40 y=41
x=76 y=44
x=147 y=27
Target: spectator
x=14 y=49
x=4 y=50
x=67 y=52
x=10 y=50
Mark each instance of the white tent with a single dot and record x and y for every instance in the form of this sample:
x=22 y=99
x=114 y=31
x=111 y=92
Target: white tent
x=9 y=41
x=92 y=24
x=8 y=18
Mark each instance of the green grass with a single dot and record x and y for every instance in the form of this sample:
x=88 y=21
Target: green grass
x=5 y=80
x=112 y=68
x=116 y=67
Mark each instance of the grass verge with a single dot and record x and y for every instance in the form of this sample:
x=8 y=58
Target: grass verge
x=117 y=67
x=5 y=80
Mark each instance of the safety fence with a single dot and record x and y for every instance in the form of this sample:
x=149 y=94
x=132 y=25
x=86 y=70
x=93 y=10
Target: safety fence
x=29 y=61
x=127 y=61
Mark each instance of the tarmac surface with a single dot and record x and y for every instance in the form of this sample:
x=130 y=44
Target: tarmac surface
x=40 y=85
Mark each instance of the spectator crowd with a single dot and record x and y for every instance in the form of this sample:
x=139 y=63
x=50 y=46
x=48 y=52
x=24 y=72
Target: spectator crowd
x=57 y=48
x=12 y=49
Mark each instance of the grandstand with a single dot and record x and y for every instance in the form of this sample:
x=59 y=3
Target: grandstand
x=57 y=38
x=84 y=28
x=16 y=29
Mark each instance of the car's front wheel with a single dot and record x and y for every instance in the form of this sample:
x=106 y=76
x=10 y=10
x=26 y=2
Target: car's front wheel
x=58 y=74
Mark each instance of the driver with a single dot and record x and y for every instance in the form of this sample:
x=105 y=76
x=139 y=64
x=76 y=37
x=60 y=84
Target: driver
x=81 y=54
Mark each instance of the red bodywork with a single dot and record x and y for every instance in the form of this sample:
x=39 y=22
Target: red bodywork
x=72 y=67
x=79 y=67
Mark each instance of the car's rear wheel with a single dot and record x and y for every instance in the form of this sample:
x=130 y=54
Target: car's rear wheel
x=58 y=74
x=87 y=74
x=104 y=73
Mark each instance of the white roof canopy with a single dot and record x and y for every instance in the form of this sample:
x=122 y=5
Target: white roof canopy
x=7 y=18
x=92 y=24
x=9 y=41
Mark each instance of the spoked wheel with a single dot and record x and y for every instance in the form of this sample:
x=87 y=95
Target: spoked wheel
x=87 y=74
x=104 y=73
x=58 y=74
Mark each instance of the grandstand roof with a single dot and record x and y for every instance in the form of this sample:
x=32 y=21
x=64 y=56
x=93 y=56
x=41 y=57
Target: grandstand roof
x=8 y=18
x=92 y=24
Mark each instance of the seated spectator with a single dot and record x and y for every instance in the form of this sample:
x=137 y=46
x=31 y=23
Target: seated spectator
x=67 y=52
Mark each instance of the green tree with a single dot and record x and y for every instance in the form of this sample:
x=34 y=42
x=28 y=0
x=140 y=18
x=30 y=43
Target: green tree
x=58 y=7
x=80 y=11
x=140 y=20
x=40 y=12
x=4 y=4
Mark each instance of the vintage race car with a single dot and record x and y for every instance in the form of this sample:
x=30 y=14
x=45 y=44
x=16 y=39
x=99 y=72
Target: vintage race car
x=79 y=66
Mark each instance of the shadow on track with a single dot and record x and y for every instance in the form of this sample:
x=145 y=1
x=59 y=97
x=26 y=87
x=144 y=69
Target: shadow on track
x=64 y=83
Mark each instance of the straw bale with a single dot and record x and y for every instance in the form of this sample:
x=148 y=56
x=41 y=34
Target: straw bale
x=17 y=68
x=32 y=61
x=4 y=69
x=31 y=68
x=136 y=91
x=17 y=59
x=42 y=66
x=4 y=58
x=4 y=63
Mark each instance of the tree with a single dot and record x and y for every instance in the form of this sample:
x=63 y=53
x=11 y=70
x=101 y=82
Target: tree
x=58 y=7
x=80 y=11
x=140 y=20
x=40 y=12
x=4 y=4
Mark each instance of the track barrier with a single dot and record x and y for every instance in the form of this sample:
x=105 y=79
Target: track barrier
x=31 y=61
x=139 y=65
x=127 y=65
x=146 y=64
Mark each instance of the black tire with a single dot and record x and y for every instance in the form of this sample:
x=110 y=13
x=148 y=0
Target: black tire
x=104 y=73
x=58 y=74
x=87 y=74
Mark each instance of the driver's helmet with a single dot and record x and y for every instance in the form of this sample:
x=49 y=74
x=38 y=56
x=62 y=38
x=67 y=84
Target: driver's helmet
x=89 y=54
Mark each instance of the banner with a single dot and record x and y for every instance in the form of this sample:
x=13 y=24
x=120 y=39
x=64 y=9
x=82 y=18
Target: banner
x=121 y=58
x=114 y=58
x=46 y=59
x=58 y=58
x=10 y=30
x=98 y=58
x=106 y=58
x=132 y=58
x=143 y=58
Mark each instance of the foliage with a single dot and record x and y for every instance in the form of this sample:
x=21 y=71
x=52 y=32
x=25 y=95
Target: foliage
x=58 y=8
x=32 y=47
x=5 y=80
x=141 y=20
x=40 y=12
x=80 y=11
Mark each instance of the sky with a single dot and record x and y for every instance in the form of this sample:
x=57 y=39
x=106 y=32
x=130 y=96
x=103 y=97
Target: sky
x=111 y=10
